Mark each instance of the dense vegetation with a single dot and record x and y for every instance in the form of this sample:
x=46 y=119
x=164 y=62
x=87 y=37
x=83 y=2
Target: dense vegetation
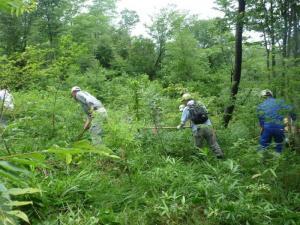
x=49 y=176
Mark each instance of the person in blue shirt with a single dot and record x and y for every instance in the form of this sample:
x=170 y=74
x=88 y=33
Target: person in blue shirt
x=271 y=113
x=202 y=131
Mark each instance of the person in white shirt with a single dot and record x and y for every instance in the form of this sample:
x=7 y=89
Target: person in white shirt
x=96 y=113
x=6 y=104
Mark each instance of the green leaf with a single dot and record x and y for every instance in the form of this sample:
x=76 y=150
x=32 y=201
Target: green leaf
x=4 y=191
x=19 y=214
x=19 y=203
x=83 y=144
x=273 y=172
x=8 y=166
x=40 y=156
x=22 y=191
x=230 y=164
x=65 y=151
x=256 y=175
x=9 y=221
x=101 y=150
x=30 y=162
x=8 y=175
x=2 y=188
x=68 y=158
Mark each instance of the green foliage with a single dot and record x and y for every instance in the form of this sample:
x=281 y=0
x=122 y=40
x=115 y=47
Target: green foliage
x=129 y=19
x=34 y=68
x=17 y=7
x=156 y=178
x=141 y=57
x=184 y=61
x=34 y=159
x=140 y=175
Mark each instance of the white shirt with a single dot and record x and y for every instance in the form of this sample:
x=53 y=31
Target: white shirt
x=88 y=101
x=7 y=99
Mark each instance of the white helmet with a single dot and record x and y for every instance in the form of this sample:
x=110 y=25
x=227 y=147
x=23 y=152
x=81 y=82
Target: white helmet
x=186 y=97
x=75 y=88
x=266 y=92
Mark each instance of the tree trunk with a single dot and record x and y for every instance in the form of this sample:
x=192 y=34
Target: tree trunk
x=26 y=30
x=238 y=62
x=296 y=29
x=273 y=59
x=157 y=64
x=269 y=41
x=284 y=8
x=289 y=33
x=268 y=54
x=284 y=13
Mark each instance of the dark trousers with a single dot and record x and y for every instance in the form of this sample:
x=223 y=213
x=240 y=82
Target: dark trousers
x=270 y=133
x=208 y=134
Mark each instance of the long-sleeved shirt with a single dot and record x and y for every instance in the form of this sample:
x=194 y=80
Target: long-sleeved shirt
x=89 y=102
x=272 y=112
x=185 y=116
x=6 y=99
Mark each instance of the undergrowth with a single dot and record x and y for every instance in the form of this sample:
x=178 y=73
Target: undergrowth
x=156 y=177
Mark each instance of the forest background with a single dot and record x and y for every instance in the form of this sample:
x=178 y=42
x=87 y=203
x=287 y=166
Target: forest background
x=49 y=176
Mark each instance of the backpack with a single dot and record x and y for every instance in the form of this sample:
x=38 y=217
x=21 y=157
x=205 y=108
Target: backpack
x=198 y=113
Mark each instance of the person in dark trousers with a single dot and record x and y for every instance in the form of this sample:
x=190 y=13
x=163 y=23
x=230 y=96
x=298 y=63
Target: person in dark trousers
x=271 y=113
x=202 y=127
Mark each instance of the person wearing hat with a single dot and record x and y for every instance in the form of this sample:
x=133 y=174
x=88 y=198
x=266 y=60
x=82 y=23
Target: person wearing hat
x=200 y=124
x=271 y=113
x=96 y=113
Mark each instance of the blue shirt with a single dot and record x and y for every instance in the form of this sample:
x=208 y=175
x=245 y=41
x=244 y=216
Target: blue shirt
x=272 y=112
x=186 y=116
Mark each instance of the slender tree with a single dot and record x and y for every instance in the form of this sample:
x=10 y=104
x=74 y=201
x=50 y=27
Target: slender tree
x=161 y=31
x=238 y=62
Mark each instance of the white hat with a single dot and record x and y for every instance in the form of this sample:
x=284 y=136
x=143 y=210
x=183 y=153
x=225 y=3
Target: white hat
x=266 y=92
x=75 y=88
x=186 y=97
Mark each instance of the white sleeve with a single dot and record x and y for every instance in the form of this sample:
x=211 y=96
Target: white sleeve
x=8 y=99
x=80 y=97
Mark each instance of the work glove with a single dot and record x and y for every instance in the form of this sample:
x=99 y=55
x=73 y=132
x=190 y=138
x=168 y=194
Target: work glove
x=91 y=112
x=179 y=127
